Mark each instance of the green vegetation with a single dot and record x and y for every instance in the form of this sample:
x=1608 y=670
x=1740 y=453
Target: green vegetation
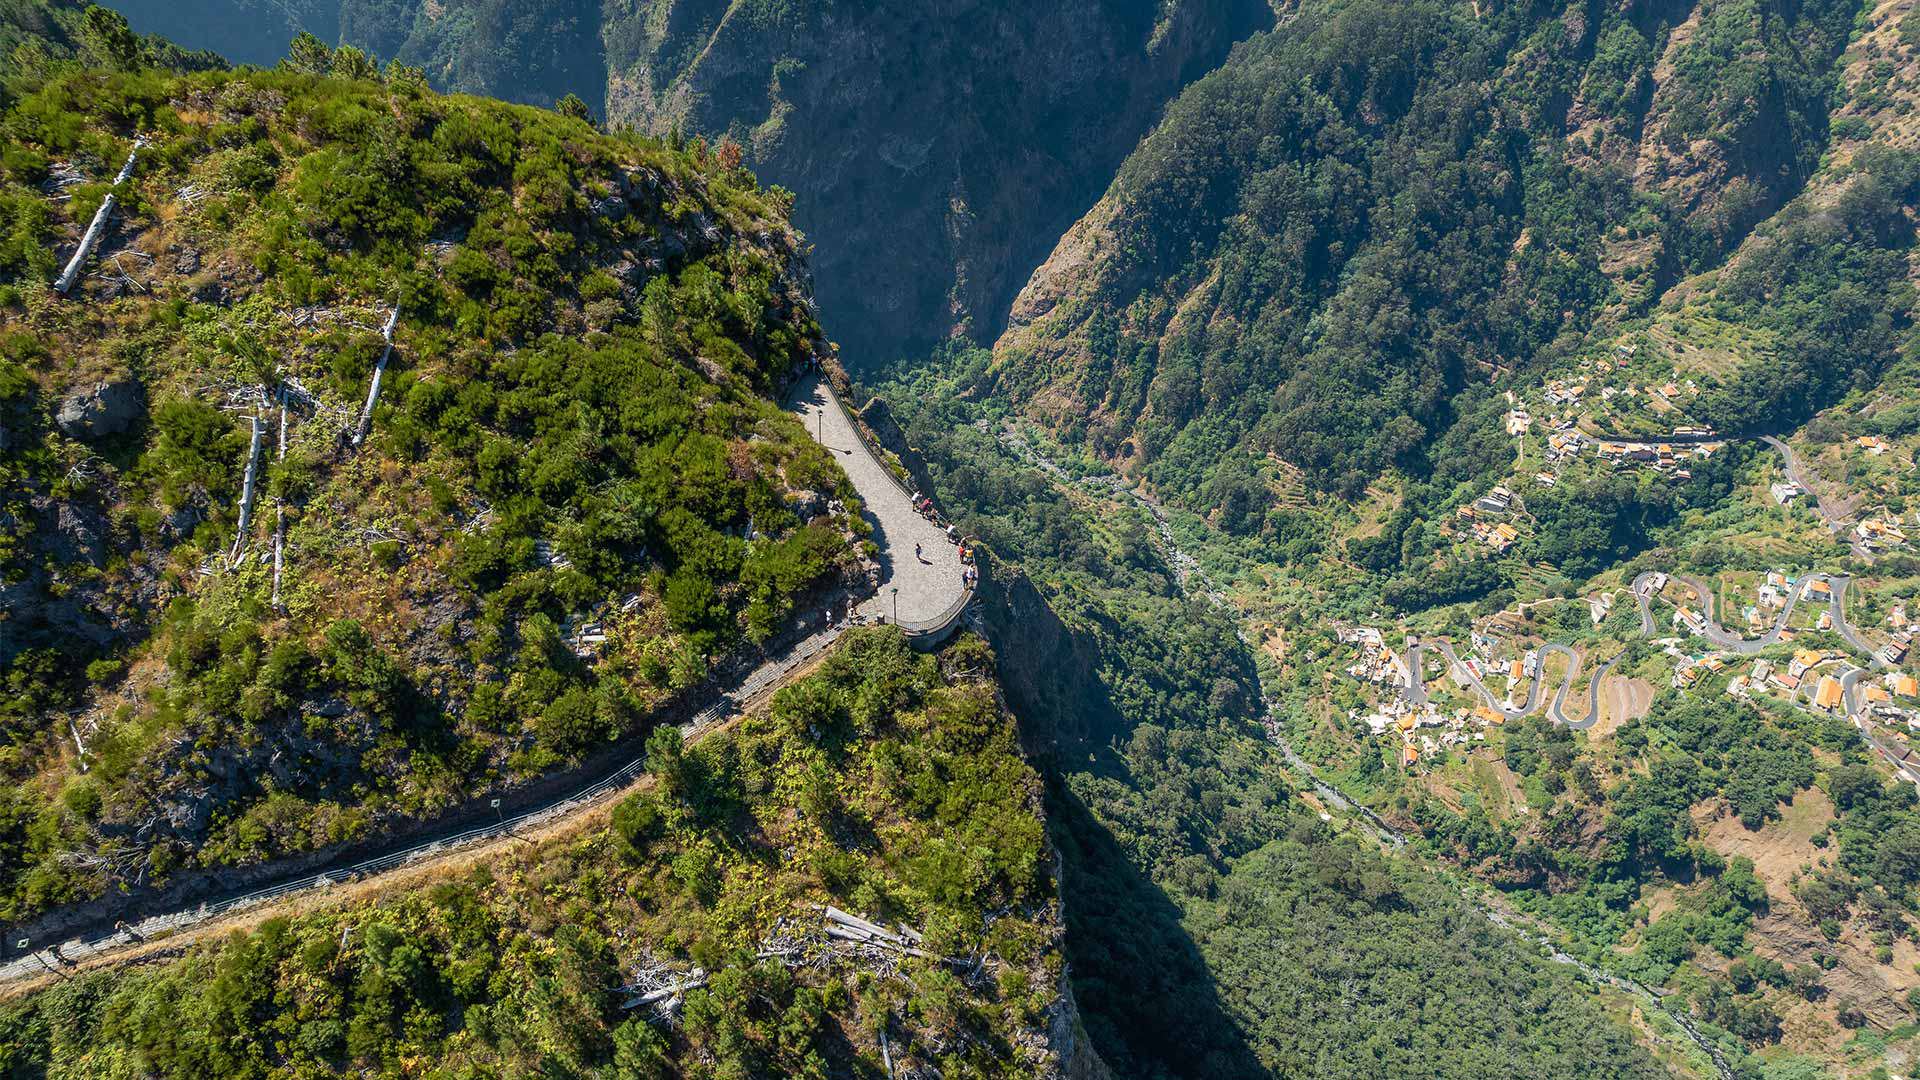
x=1198 y=942
x=1832 y=284
x=576 y=428
x=1330 y=241
x=888 y=782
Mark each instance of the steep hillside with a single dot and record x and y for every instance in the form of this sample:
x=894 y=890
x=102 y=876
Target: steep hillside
x=712 y=876
x=233 y=628
x=1379 y=206
x=941 y=147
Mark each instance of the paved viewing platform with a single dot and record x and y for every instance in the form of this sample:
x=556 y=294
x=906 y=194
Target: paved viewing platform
x=926 y=585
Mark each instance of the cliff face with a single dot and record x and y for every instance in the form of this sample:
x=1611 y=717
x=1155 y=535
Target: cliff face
x=937 y=149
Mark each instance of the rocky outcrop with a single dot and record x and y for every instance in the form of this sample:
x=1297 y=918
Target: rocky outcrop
x=102 y=410
x=1068 y=1039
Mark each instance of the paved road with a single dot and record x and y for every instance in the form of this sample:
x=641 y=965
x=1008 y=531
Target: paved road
x=927 y=589
x=1832 y=513
x=1847 y=631
x=1720 y=637
x=928 y=582
x=1416 y=692
x=1642 y=593
x=1557 y=712
x=1723 y=638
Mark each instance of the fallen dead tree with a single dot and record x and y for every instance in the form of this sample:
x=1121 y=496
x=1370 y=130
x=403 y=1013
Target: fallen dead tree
x=660 y=988
x=280 y=506
x=98 y=228
x=845 y=927
x=379 y=372
x=247 y=485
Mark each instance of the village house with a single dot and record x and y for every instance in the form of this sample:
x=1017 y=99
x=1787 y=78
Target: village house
x=1518 y=421
x=1894 y=651
x=1803 y=660
x=1497 y=501
x=1828 y=695
x=1872 y=444
x=1884 y=531
x=1692 y=620
x=1599 y=607
x=1784 y=491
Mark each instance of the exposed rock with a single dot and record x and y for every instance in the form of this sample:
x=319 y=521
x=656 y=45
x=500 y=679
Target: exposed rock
x=808 y=505
x=211 y=291
x=610 y=208
x=102 y=410
x=77 y=536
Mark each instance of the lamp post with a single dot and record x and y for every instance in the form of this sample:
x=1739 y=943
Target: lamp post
x=896 y=605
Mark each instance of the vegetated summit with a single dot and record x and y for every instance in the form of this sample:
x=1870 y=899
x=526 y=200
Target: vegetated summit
x=543 y=541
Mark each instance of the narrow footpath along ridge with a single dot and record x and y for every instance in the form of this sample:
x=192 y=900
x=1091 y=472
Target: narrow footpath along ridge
x=931 y=592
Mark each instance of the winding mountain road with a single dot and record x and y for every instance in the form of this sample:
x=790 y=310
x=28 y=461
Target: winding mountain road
x=1416 y=693
x=926 y=585
x=1719 y=636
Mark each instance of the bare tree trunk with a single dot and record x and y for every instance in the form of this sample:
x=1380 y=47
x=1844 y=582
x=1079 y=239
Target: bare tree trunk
x=98 y=228
x=280 y=507
x=246 y=491
x=379 y=371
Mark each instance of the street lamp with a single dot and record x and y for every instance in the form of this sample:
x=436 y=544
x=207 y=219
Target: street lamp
x=896 y=605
